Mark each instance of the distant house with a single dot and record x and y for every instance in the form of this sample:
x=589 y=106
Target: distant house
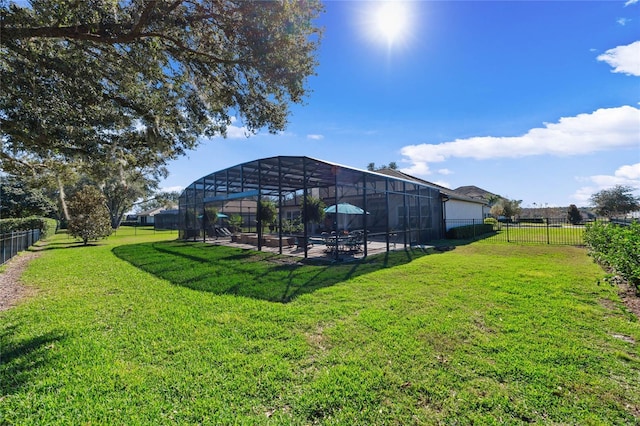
x=147 y=217
x=459 y=208
x=476 y=193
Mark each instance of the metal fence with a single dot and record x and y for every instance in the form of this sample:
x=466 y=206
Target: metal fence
x=557 y=231
x=14 y=242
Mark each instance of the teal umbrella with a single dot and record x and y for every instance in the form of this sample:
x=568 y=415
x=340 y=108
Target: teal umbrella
x=345 y=208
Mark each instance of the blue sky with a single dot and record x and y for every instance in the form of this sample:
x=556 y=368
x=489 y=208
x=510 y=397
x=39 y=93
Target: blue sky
x=536 y=101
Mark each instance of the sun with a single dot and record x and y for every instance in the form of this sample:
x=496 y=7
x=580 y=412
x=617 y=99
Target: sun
x=389 y=22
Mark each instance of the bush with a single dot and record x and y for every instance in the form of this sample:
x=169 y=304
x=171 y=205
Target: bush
x=469 y=231
x=493 y=222
x=90 y=218
x=616 y=248
x=235 y=223
x=46 y=226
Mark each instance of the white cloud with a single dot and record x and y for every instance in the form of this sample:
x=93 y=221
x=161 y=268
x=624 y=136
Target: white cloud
x=418 y=168
x=445 y=172
x=628 y=175
x=603 y=129
x=623 y=21
x=630 y=2
x=623 y=59
x=443 y=183
x=235 y=132
x=315 y=137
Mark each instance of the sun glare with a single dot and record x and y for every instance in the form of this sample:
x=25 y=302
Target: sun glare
x=389 y=21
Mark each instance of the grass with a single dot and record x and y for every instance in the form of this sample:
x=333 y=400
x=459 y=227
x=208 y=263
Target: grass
x=144 y=330
x=539 y=233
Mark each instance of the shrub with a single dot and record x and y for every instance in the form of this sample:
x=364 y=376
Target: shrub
x=46 y=226
x=616 y=248
x=312 y=210
x=235 y=222
x=492 y=221
x=469 y=231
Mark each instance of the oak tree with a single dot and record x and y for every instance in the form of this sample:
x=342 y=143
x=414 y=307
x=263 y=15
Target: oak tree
x=618 y=200
x=140 y=82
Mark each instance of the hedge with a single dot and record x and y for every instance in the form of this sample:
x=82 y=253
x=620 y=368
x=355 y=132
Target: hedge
x=45 y=225
x=469 y=231
x=616 y=248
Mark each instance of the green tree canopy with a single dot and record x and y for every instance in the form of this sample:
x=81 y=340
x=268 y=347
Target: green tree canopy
x=267 y=212
x=618 y=200
x=507 y=208
x=140 y=81
x=18 y=199
x=167 y=199
x=573 y=214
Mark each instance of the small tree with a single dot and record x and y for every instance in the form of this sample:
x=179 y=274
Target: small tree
x=506 y=208
x=235 y=222
x=573 y=214
x=618 y=200
x=312 y=210
x=266 y=212
x=209 y=218
x=89 y=217
x=211 y=214
x=292 y=226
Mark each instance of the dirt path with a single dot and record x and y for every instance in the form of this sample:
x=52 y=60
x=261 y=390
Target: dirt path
x=11 y=291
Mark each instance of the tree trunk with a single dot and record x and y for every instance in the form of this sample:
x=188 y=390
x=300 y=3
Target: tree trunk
x=63 y=201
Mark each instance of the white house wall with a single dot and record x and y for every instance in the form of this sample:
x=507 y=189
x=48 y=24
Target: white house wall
x=457 y=211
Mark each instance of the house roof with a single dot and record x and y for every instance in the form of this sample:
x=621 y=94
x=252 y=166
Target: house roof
x=152 y=212
x=475 y=192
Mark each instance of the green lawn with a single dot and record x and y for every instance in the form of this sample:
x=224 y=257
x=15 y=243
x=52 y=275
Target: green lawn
x=145 y=330
x=538 y=233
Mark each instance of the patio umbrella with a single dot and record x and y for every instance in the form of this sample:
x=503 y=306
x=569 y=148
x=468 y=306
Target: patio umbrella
x=345 y=209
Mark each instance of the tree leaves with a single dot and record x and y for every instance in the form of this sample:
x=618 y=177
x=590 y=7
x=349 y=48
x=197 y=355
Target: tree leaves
x=149 y=77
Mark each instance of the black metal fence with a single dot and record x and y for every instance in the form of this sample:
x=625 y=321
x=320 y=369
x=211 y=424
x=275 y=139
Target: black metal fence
x=557 y=231
x=14 y=242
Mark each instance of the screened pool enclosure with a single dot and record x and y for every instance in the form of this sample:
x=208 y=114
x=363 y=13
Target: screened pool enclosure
x=375 y=207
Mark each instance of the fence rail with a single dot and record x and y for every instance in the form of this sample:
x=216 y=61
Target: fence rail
x=13 y=243
x=557 y=231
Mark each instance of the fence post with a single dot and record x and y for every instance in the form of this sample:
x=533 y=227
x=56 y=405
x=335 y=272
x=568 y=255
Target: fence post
x=548 y=238
x=507 y=222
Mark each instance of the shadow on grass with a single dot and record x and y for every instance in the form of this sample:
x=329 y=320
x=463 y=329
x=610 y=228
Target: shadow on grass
x=249 y=273
x=20 y=359
x=63 y=245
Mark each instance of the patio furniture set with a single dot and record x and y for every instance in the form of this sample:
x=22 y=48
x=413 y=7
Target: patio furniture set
x=348 y=243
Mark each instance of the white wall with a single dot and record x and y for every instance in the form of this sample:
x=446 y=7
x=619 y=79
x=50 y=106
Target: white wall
x=460 y=213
